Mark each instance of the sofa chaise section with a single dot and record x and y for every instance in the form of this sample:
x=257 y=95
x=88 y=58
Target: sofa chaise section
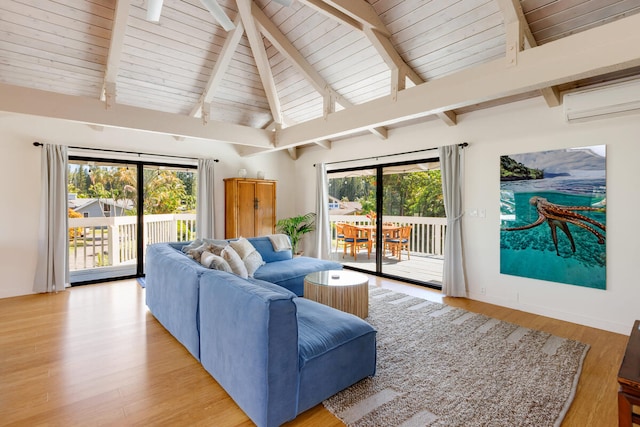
x=278 y=355
x=283 y=269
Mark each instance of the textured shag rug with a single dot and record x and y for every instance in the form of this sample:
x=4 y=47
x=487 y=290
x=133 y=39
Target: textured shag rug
x=443 y=366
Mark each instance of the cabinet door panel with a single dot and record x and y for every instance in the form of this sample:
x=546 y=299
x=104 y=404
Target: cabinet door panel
x=246 y=209
x=266 y=212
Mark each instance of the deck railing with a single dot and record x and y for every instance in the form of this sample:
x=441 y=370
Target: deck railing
x=104 y=242
x=111 y=241
x=427 y=234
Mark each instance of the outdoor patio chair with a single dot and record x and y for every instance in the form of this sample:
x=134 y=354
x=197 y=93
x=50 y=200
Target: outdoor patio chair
x=339 y=234
x=355 y=239
x=399 y=241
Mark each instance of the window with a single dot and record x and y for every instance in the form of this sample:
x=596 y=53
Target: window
x=117 y=208
x=383 y=202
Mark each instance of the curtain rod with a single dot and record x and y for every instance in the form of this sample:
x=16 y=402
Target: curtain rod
x=40 y=144
x=461 y=145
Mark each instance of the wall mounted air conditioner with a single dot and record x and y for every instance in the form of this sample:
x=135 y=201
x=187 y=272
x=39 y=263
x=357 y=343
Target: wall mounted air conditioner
x=602 y=101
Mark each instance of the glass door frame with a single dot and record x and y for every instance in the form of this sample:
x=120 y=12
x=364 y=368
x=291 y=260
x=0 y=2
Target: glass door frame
x=140 y=166
x=379 y=169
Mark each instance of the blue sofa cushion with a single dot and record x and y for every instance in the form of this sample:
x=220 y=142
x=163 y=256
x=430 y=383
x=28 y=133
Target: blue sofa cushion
x=264 y=246
x=290 y=274
x=321 y=329
x=336 y=350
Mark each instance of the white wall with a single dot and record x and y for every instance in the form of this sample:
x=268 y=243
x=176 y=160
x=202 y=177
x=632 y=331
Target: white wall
x=516 y=128
x=20 y=180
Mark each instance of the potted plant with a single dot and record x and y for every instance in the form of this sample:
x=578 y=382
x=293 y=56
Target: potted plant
x=296 y=227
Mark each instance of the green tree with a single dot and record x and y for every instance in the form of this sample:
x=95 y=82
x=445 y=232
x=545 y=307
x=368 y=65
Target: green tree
x=164 y=191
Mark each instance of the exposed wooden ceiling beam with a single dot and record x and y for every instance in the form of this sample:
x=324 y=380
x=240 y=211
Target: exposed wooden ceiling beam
x=600 y=50
x=513 y=13
x=120 y=18
x=327 y=10
x=362 y=12
x=370 y=24
x=91 y=111
x=286 y=48
x=260 y=56
x=221 y=65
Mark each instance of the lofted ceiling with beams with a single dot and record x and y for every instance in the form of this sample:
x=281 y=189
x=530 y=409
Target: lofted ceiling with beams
x=286 y=67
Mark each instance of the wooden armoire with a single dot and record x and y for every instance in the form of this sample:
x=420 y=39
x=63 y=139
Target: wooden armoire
x=250 y=207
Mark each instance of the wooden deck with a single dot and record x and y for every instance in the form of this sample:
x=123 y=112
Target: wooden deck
x=420 y=268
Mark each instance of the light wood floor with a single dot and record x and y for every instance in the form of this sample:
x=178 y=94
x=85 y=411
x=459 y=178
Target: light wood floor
x=94 y=355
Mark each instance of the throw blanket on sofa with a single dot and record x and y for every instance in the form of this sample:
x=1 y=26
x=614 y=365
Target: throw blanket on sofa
x=280 y=242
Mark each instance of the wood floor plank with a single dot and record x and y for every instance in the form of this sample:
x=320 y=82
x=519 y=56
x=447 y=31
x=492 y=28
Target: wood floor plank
x=94 y=355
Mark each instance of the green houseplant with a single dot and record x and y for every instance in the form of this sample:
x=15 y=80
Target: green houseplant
x=295 y=227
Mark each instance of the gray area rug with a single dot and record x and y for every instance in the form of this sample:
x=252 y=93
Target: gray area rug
x=443 y=366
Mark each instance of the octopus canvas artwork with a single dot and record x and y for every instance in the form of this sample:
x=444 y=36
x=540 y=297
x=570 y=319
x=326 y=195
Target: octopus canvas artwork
x=553 y=216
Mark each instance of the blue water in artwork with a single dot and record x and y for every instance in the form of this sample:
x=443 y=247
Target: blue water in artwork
x=532 y=253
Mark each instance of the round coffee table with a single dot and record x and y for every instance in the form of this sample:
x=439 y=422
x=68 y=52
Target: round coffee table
x=345 y=290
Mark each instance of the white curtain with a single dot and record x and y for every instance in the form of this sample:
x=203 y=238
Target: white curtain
x=52 y=270
x=205 y=215
x=323 y=234
x=454 y=282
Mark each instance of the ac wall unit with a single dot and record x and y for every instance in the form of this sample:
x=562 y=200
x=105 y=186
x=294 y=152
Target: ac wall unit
x=603 y=101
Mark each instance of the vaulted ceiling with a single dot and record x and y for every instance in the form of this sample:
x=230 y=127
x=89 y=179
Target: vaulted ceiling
x=309 y=73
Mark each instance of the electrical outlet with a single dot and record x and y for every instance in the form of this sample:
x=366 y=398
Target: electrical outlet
x=483 y=291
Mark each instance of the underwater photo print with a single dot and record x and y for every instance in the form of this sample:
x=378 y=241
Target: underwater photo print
x=553 y=216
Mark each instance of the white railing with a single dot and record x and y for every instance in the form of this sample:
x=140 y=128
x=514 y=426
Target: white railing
x=102 y=242
x=427 y=234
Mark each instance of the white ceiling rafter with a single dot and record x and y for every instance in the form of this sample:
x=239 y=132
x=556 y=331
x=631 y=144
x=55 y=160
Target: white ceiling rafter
x=519 y=36
x=121 y=16
x=313 y=57
x=367 y=21
x=220 y=67
x=91 y=111
x=261 y=59
x=286 y=48
x=593 y=52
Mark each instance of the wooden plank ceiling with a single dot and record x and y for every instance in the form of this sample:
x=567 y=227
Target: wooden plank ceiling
x=281 y=65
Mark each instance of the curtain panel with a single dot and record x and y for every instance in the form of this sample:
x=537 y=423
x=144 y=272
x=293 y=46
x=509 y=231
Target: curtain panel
x=454 y=282
x=323 y=233
x=52 y=269
x=205 y=215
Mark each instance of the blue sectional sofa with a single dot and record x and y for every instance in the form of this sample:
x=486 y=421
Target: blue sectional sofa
x=275 y=353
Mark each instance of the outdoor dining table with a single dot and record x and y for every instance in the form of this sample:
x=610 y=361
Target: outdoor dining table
x=370 y=229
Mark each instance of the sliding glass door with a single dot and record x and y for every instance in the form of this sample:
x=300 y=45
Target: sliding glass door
x=117 y=208
x=413 y=221
x=397 y=213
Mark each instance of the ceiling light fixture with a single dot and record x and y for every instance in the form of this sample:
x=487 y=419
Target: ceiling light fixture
x=154 y=8
x=217 y=12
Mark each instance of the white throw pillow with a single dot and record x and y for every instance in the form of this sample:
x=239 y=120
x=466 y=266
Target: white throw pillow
x=235 y=262
x=253 y=261
x=242 y=246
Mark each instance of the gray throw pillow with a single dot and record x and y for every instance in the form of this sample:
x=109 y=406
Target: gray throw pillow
x=197 y=252
x=192 y=245
x=216 y=249
x=215 y=262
